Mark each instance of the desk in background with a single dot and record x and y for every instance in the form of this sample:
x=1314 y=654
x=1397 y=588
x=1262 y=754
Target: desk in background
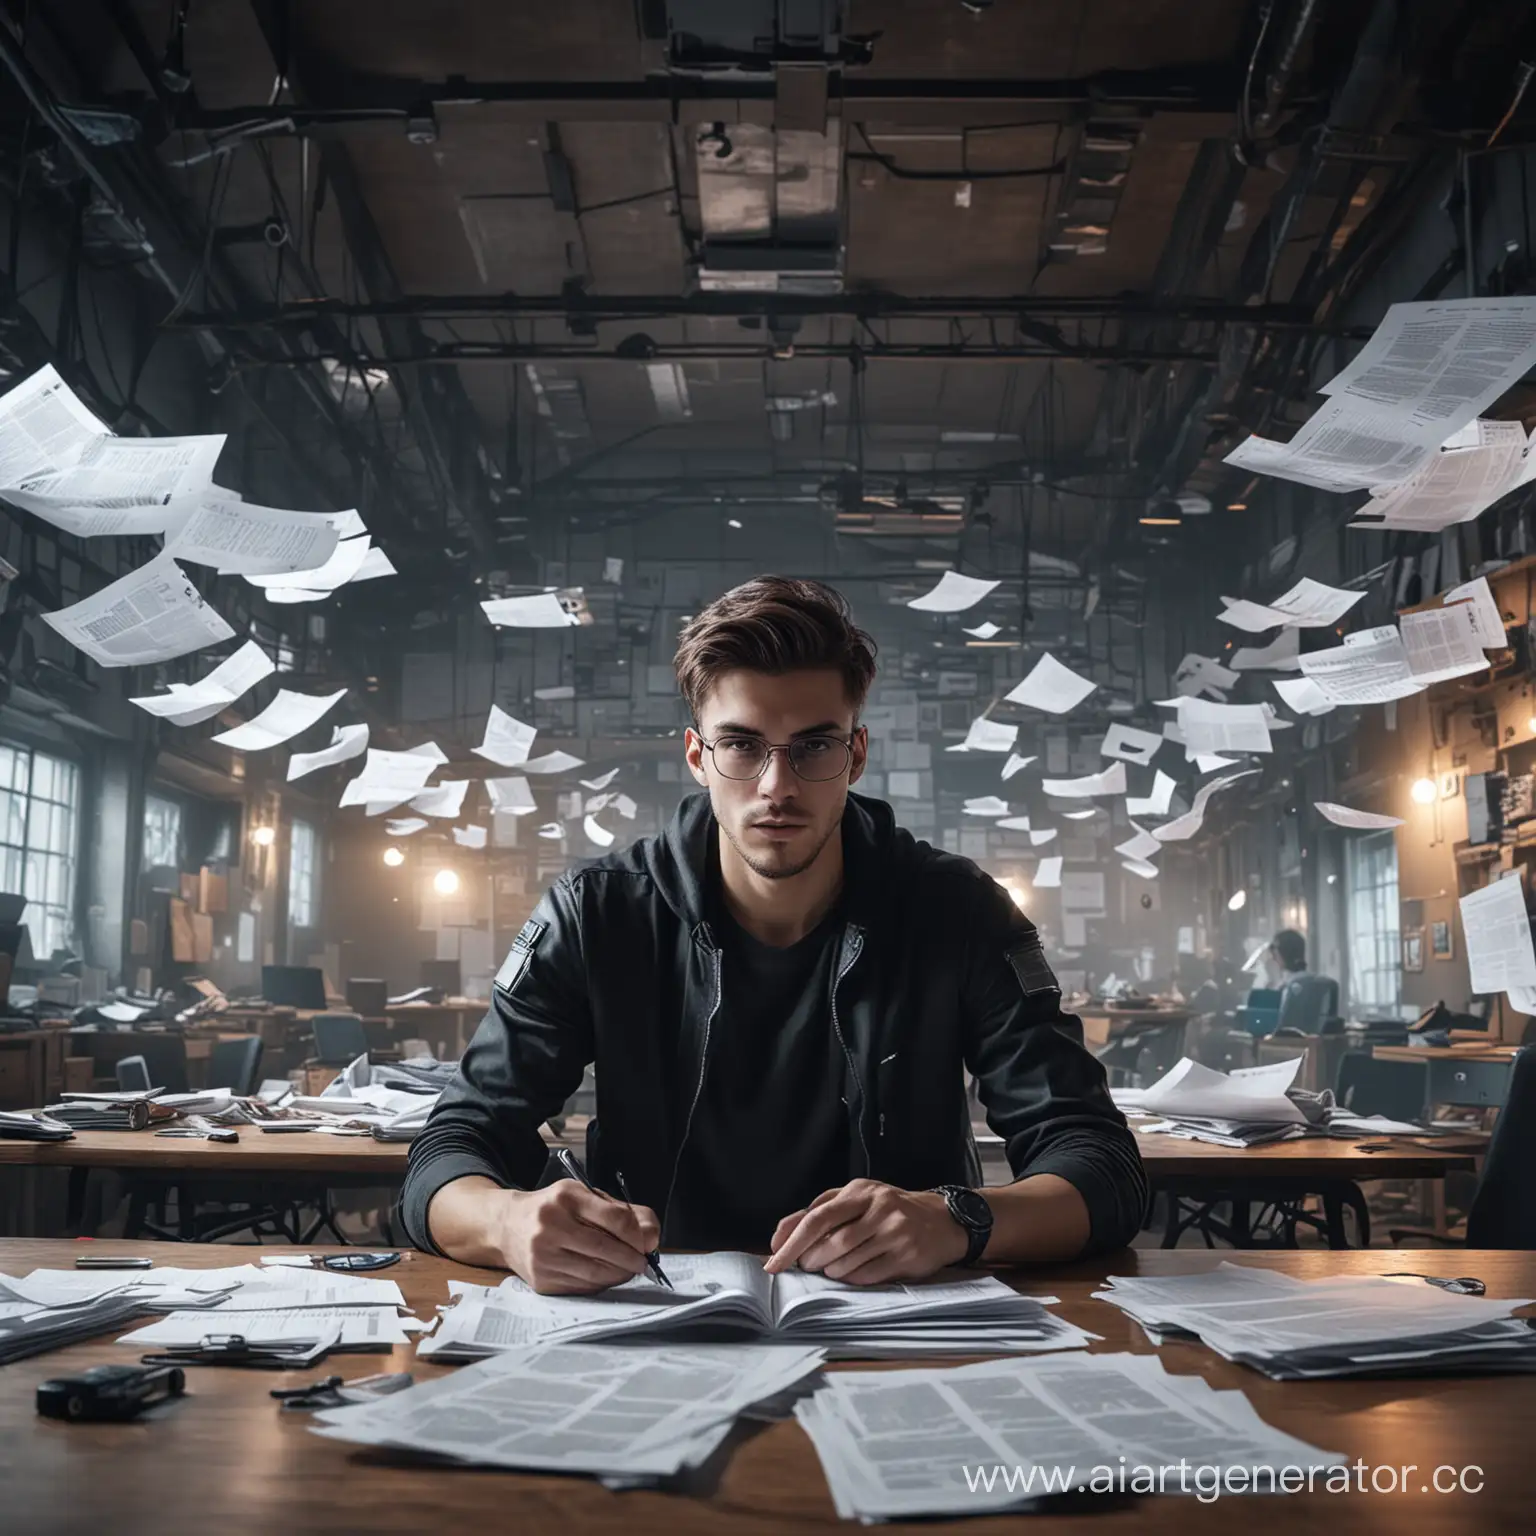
x=227 y=1452
x=1476 y=1076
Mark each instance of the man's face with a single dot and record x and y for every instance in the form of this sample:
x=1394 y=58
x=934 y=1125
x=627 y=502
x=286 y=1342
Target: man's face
x=779 y=822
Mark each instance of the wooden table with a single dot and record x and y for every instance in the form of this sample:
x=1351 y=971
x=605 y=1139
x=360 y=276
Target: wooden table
x=1477 y=1076
x=226 y=1455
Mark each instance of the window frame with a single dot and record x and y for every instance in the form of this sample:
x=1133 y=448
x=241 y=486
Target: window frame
x=1375 y=952
x=50 y=924
x=305 y=870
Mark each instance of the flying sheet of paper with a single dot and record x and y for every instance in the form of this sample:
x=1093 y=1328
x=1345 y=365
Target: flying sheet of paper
x=1341 y=447
x=1013 y=823
x=375 y=564
x=236 y=536
x=954 y=594
x=1498 y=937
x=597 y=831
x=149 y=615
x=44 y=427
x=405 y=826
x=1454 y=486
x=1371 y=667
x=1139 y=867
x=552 y=762
x=1141 y=847
x=1081 y=815
x=602 y=781
x=1015 y=763
x=1442 y=643
x=347 y=741
x=190 y=703
x=985 y=805
x=1487 y=620
x=1209 y=727
x=470 y=837
x=1303 y=695
x=1038 y=836
x=1051 y=687
x=1308 y=605
x=511 y=795
x=1048 y=874
x=1434 y=366
x=625 y=807
x=1110 y=782
x=507 y=740
x=1282 y=654
x=343 y=563
x=985 y=631
x=1367 y=821
x=987 y=736
x=287 y=715
x=1209 y=762
x=1183 y=827
x=552 y=830
x=389 y=776
x=444 y=799
x=1130 y=745
x=128 y=475
x=1200 y=674
x=1155 y=804
x=540 y=611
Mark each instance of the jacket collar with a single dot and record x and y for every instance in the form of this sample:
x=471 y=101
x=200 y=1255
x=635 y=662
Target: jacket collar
x=678 y=860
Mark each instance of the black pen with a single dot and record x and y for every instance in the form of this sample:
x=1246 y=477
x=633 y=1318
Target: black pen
x=572 y=1165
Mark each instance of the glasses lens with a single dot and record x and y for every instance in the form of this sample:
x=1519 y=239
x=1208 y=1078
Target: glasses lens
x=739 y=757
x=819 y=757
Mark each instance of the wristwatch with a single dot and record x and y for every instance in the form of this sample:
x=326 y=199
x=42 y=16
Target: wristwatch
x=973 y=1213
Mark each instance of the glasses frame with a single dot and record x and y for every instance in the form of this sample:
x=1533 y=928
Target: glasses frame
x=770 y=747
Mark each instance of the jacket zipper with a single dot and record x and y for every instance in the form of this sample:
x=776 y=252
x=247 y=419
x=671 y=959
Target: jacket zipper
x=837 y=1029
x=698 y=1087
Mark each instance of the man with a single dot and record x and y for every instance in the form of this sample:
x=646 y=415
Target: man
x=1305 y=999
x=781 y=994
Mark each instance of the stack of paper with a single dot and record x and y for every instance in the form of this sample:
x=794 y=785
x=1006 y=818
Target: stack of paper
x=1243 y=1108
x=1347 y=1326
x=635 y=1414
x=20 y=1125
x=729 y=1292
x=1008 y=1433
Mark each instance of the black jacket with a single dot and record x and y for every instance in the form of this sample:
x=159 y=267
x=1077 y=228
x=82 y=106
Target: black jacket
x=937 y=971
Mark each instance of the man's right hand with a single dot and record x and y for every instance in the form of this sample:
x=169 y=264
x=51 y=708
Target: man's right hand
x=562 y=1240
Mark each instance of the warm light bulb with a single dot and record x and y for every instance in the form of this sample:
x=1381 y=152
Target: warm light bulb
x=1530 y=724
x=1237 y=901
x=445 y=882
x=394 y=857
x=1423 y=791
x=264 y=837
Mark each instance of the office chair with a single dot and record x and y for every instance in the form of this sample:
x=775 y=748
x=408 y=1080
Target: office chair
x=236 y=1065
x=1365 y=1085
x=133 y=1075
x=339 y=1038
x=164 y=1058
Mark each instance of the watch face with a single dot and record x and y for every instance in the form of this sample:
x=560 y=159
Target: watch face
x=971 y=1208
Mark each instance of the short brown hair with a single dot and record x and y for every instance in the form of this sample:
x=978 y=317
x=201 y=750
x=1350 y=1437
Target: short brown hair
x=774 y=624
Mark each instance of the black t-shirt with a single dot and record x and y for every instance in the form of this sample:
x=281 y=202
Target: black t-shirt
x=771 y=1129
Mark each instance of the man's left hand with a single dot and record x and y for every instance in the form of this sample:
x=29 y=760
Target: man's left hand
x=869 y=1233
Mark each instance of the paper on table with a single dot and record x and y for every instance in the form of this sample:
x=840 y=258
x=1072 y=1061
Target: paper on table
x=1047 y=874
x=551 y=762
x=347 y=741
x=987 y=736
x=1442 y=643
x=470 y=837
x=1014 y=763
x=1303 y=695
x=953 y=594
x=1282 y=654
x=1185 y=826
x=1308 y=605
x=1454 y=486
x=44 y=426
x=597 y=831
x=443 y=799
x=985 y=631
x=985 y=805
x=1370 y=667
x=507 y=740
x=1209 y=727
x=189 y=703
x=541 y=611
x=1110 y=782
x=602 y=781
x=1434 y=366
x=1130 y=745
x=343 y=563
x=1343 y=816
x=1498 y=937
x=353 y=1327
x=511 y=795
x=151 y=614
x=1051 y=687
x=287 y=715
x=1155 y=804
x=1487 y=620
x=137 y=477
x=236 y=536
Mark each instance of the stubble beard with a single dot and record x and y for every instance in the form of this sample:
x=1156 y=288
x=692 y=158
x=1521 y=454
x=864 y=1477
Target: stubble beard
x=777 y=871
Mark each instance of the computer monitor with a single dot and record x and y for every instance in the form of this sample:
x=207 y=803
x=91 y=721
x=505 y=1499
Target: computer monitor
x=294 y=986
x=368 y=996
x=442 y=974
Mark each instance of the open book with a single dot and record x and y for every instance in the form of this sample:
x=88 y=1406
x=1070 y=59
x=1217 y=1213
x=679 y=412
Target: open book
x=724 y=1296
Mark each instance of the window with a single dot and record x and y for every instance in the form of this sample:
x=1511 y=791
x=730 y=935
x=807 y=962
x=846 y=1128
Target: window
x=1375 y=966
x=162 y=833
x=302 y=875
x=39 y=834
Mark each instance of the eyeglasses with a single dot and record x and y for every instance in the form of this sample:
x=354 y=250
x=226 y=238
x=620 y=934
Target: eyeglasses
x=812 y=757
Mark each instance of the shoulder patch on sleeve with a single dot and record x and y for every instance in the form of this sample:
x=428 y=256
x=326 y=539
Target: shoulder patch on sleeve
x=523 y=946
x=1027 y=958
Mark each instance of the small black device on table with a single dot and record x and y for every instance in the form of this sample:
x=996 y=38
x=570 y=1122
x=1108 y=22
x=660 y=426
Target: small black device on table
x=108 y=1392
